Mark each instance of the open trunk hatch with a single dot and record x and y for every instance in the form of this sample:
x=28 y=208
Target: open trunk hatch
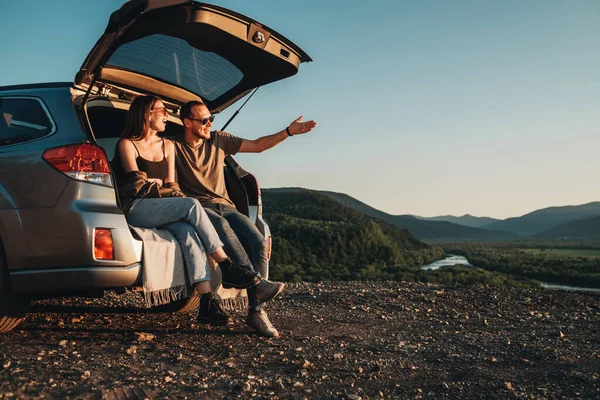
x=181 y=50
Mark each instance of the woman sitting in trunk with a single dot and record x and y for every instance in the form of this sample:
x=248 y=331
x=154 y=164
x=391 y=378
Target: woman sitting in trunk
x=144 y=165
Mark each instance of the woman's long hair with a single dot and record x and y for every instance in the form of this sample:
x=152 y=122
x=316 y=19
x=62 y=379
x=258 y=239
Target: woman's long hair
x=137 y=121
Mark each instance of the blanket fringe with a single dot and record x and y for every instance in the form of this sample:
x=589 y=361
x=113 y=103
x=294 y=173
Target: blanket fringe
x=165 y=296
x=234 y=303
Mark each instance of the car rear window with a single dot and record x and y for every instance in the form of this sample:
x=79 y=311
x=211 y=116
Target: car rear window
x=173 y=60
x=23 y=120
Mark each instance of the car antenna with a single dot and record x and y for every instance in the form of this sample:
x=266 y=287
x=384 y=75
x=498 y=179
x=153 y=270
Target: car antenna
x=238 y=110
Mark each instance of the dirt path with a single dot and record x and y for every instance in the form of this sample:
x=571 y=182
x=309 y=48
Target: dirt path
x=338 y=340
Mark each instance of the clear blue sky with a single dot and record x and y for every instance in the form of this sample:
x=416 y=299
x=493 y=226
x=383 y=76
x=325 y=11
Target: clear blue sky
x=424 y=107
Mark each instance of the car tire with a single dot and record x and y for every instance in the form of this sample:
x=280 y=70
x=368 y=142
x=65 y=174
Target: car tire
x=180 y=306
x=13 y=308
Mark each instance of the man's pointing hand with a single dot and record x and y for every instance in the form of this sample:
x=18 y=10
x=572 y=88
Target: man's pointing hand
x=298 y=127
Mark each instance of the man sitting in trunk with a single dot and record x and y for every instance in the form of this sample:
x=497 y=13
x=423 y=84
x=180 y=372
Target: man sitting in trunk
x=200 y=156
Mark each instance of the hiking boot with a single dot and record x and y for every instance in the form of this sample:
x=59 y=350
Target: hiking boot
x=234 y=275
x=267 y=290
x=259 y=321
x=210 y=312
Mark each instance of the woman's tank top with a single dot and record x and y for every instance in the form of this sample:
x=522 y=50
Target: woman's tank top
x=154 y=169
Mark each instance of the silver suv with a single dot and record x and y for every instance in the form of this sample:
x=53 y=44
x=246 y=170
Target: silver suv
x=61 y=229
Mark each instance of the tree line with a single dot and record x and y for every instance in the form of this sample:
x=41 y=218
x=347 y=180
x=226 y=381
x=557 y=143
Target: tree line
x=515 y=260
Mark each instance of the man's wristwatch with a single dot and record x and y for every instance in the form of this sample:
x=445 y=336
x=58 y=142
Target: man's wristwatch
x=287 y=130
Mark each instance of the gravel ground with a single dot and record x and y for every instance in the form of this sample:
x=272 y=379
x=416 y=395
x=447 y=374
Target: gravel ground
x=338 y=340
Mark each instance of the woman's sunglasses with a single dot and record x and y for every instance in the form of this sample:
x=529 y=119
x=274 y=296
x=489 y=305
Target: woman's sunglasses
x=162 y=110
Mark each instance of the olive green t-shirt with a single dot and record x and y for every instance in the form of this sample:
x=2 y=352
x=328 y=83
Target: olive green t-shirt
x=200 y=169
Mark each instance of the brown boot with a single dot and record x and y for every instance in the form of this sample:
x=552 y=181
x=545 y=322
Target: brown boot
x=210 y=312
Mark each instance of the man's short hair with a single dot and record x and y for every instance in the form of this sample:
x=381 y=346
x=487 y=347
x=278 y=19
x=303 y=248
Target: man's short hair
x=186 y=109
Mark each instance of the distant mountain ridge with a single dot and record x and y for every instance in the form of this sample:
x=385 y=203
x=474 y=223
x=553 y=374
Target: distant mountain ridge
x=421 y=229
x=466 y=220
x=544 y=219
x=544 y=223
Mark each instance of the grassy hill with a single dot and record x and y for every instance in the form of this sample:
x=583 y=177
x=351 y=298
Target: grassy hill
x=541 y=220
x=421 y=229
x=316 y=237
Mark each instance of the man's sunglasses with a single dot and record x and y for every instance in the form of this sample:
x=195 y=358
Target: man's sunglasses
x=203 y=121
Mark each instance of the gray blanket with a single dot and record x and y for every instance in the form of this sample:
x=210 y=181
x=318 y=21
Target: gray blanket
x=163 y=273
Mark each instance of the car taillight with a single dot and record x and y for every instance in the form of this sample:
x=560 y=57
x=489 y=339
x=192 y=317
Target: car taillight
x=84 y=162
x=103 y=244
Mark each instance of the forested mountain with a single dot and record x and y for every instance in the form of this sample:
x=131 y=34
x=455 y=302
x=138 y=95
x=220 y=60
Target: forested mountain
x=421 y=229
x=587 y=228
x=316 y=237
x=541 y=220
x=466 y=220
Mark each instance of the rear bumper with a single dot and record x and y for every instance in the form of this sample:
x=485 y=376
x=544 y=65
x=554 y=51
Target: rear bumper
x=62 y=236
x=68 y=279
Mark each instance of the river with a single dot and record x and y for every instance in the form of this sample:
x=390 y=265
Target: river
x=452 y=259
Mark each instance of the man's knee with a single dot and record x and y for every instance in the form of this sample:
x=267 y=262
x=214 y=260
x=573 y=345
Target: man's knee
x=221 y=224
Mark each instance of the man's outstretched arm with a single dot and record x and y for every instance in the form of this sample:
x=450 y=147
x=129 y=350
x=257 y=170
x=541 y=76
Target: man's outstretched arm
x=266 y=142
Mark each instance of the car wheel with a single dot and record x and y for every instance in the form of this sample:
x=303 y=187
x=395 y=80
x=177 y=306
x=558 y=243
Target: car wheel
x=181 y=306
x=13 y=308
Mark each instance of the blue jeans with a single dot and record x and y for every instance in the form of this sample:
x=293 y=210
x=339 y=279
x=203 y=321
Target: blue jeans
x=185 y=218
x=242 y=241
x=192 y=249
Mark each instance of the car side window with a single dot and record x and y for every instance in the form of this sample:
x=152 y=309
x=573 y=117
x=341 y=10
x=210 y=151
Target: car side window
x=22 y=120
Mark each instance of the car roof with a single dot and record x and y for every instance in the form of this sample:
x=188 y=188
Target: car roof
x=28 y=86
